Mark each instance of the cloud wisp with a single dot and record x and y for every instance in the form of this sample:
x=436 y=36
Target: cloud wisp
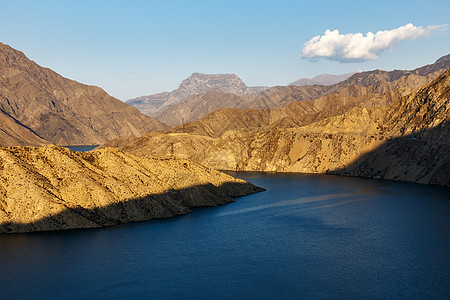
x=356 y=47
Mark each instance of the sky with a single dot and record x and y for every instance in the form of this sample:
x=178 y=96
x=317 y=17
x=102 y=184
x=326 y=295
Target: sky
x=134 y=48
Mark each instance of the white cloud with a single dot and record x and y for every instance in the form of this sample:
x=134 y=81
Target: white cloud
x=359 y=47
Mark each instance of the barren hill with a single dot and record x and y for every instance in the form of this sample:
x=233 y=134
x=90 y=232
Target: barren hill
x=52 y=188
x=47 y=107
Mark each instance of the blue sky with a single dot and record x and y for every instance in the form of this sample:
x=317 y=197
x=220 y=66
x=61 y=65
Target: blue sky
x=134 y=48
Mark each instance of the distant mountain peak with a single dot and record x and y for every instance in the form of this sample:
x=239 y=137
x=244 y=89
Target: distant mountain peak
x=205 y=75
x=196 y=84
x=322 y=79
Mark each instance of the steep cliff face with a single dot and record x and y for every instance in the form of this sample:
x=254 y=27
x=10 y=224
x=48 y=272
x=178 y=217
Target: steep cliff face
x=405 y=137
x=59 y=110
x=52 y=188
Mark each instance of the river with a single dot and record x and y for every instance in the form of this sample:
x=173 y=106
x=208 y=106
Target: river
x=307 y=236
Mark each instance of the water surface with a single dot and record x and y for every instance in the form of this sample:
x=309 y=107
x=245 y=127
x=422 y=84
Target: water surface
x=82 y=148
x=307 y=236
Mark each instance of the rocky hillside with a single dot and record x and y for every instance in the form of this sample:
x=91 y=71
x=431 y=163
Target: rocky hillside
x=52 y=188
x=321 y=79
x=415 y=127
x=45 y=107
x=195 y=84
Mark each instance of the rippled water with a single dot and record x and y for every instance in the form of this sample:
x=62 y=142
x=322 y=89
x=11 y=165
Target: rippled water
x=307 y=236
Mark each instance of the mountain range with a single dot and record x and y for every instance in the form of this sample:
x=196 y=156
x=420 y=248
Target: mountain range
x=198 y=106
x=332 y=134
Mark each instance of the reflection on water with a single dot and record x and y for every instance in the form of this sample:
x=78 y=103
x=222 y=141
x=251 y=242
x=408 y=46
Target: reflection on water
x=309 y=236
x=303 y=200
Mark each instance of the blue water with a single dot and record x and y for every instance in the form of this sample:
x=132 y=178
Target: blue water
x=305 y=237
x=82 y=148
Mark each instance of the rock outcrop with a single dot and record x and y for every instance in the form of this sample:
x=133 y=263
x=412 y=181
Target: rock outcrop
x=411 y=130
x=45 y=107
x=52 y=188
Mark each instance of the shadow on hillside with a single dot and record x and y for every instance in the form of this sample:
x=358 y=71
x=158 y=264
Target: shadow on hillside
x=152 y=206
x=422 y=157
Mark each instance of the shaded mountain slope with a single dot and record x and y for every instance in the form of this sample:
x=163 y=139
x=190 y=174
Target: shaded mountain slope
x=422 y=157
x=13 y=132
x=60 y=110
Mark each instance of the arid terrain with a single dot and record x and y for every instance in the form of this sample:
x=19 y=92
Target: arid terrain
x=377 y=124
x=399 y=134
x=52 y=188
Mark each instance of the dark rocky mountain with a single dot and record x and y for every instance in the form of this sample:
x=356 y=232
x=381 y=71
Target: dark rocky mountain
x=45 y=107
x=195 y=84
x=321 y=79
